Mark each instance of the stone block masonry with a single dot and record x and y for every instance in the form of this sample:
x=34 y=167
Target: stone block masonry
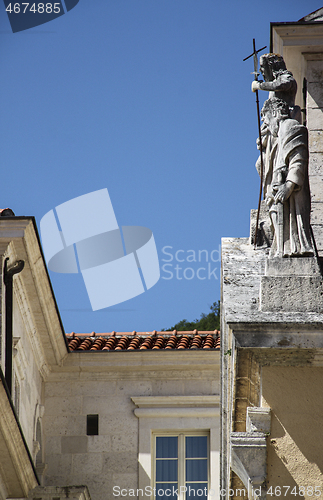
x=314 y=114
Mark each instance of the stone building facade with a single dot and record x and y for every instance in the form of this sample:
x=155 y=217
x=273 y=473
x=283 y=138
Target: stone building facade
x=84 y=413
x=272 y=317
x=134 y=394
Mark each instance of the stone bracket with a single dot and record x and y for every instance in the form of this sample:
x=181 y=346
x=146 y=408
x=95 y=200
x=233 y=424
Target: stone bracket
x=258 y=420
x=249 y=452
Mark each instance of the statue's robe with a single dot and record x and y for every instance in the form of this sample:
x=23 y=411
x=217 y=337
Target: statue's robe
x=286 y=159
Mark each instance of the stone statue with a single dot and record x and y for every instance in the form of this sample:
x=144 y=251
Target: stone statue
x=279 y=82
x=286 y=185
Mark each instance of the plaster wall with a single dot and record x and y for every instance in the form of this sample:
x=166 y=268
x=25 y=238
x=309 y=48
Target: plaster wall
x=295 y=444
x=104 y=385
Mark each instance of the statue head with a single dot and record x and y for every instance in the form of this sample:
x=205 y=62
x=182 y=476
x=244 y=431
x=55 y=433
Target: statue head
x=273 y=112
x=271 y=65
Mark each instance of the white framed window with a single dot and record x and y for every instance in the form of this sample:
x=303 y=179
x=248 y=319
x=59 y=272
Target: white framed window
x=181 y=465
x=180 y=417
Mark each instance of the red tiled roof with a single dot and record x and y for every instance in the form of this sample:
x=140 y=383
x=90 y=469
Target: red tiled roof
x=135 y=341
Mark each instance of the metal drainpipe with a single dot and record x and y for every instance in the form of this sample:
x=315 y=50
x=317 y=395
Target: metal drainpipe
x=8 y=274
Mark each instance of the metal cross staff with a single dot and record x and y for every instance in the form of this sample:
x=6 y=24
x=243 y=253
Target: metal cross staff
x=256 y=73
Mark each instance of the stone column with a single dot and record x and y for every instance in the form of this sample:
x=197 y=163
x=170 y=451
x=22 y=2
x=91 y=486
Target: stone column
x=314 y=112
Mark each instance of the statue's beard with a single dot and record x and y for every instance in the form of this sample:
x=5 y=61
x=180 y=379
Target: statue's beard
x=274 y=129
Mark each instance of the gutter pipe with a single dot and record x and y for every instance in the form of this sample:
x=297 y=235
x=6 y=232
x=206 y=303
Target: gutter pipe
x=8 y=274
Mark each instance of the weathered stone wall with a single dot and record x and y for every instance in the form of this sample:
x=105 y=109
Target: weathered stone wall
x=103 y=383
x=314 y=105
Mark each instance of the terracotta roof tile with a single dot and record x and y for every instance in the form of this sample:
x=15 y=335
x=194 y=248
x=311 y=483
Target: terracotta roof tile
x=145 y=341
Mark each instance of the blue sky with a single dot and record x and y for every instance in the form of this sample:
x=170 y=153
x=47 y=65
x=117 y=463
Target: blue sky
x=150 y=99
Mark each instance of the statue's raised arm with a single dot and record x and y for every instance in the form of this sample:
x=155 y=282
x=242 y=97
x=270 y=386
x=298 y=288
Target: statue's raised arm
x=279 y=82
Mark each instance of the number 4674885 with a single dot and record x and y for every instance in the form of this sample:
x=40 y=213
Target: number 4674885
x=310 y=491
x=40 y=8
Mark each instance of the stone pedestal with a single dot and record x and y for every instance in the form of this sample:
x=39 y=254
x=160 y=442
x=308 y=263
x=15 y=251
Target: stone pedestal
x=292 y=284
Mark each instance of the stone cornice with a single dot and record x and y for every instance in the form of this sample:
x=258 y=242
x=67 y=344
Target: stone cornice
x=10 y=230
x=136 y=364
x=299 y=34
x=33 y=292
